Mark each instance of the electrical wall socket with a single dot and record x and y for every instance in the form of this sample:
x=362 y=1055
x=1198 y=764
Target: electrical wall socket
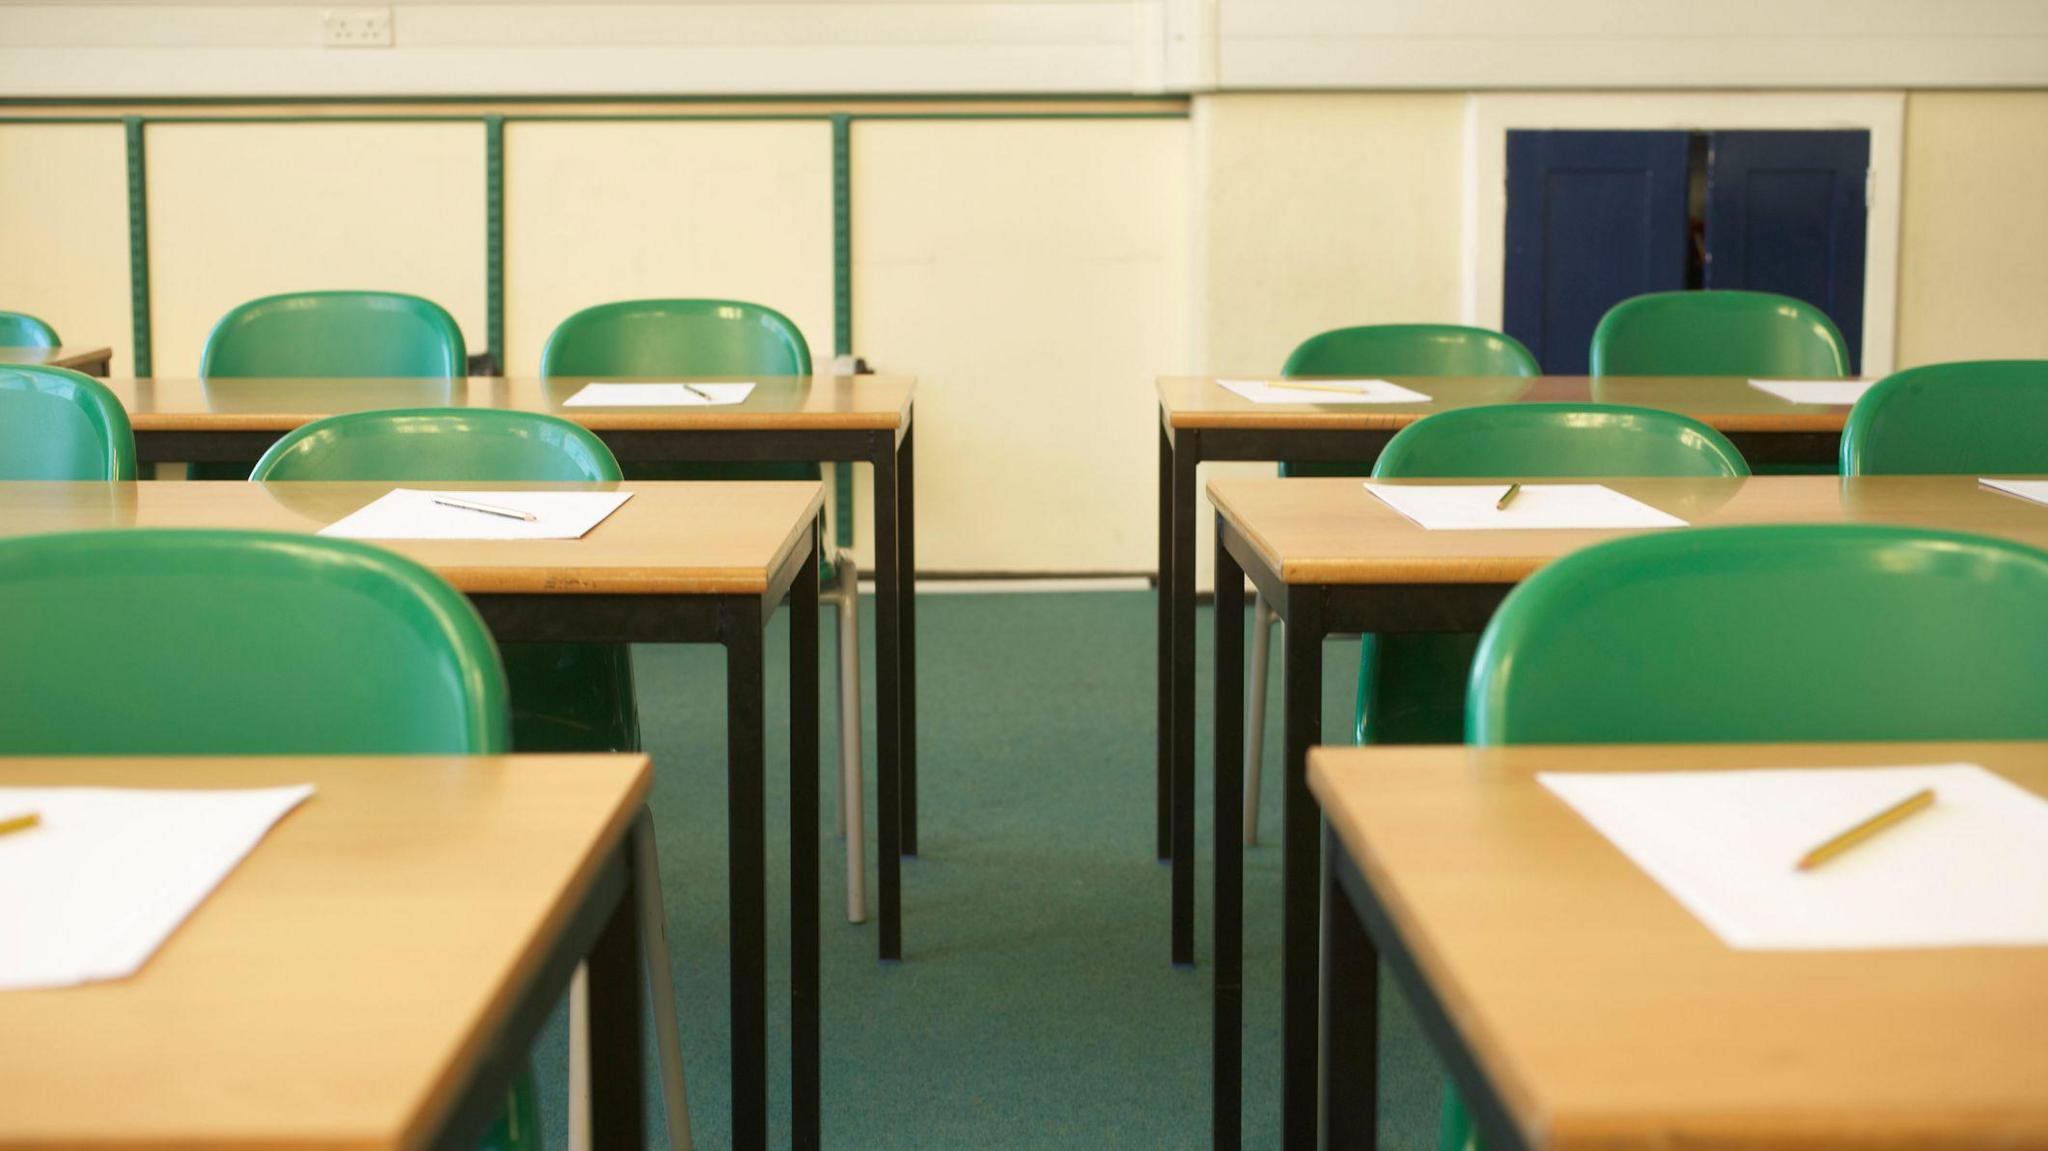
x=356 y=27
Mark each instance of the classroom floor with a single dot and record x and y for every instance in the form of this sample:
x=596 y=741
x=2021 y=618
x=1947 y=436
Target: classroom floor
x=1035 y=1007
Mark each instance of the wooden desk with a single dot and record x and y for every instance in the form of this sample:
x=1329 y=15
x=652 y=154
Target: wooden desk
x=372 y=976
x=1200 y=420
x=822 y=419
x=1578 y=1005
x=91 y=361
x=677 y=563
x=1333 y=560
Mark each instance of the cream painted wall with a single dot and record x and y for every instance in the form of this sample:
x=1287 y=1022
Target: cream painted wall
x=1318 y=211
x=1973 y=281
x=1033 y=275
x=598 y=212
x=64 y=227
x=238 y=211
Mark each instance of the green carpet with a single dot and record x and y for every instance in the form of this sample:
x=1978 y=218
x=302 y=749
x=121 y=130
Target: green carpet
x=1035 y=1007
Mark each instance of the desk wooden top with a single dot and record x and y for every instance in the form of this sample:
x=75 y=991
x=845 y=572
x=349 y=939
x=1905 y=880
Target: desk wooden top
x=75 y=358
x=1725 y=403
x=1607 y=1016
x=1332 y=531
x=338 y=988
x=257 y=405
x=724 y=538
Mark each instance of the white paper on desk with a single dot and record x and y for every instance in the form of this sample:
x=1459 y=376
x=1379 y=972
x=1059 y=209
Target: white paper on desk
x=2035 y=490
x=1471 y=507
x=1971 y=871
x=1815 y=391
x=1324 y=392
x=659 y=395
x=412 y=514
x=111 y=873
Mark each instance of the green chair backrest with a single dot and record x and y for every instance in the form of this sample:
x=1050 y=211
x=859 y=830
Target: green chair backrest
x=676 y=337
x=56 y=424
x=343 y=334
x=1410 y=350
x=1774 y=633
x=21 y=330
x=1401 y=350
x=1987 y=417
x=310 y=646
x=424 y=445
x=1756 y=334
x=1548 y=440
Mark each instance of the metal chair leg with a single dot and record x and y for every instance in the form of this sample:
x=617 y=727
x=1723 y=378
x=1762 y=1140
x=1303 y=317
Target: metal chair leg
x=1263 y=619
x=852 y=789
x=675 y=1099
x=579 y=1059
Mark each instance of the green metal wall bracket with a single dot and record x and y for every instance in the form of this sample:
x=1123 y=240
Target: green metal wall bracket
x=138 y=243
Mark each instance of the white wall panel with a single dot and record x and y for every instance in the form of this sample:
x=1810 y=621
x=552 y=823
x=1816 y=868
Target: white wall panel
x=64 y=229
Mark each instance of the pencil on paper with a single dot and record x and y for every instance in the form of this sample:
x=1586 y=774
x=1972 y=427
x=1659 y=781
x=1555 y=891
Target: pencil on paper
x=22 y=822
x=1502 y=504
x=1898 y=812
x=487 y=509
x=700 y=393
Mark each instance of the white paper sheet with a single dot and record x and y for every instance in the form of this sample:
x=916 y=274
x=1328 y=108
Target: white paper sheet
x=111 y=873
x=1815 y=391
x=1470 y=507
x=1323 y=392
x=1970 y=871
x=660 y=395
x=412 y=514
x=2035 y=490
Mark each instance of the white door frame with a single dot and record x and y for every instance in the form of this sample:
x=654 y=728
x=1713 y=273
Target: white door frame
x=1490 y=116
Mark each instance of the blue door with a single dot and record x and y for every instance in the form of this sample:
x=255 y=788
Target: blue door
x=1786 y=213
x=1593 y=218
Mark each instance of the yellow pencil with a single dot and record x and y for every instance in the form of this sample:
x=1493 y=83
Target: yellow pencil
x=1296 y=385
x=1918 y=801
x=21 y=822
x=1502 y=504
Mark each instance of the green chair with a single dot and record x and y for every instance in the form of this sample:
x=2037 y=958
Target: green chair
x=565 y=697
x=21 y=330
x=1718 y=333
x=670 y=338
x=352 y=335
x=1411 y=687
x=56 y=424
x=1979 y=418
x=1767 y=634
x=291 y=623
x=344 y=334
x=1366 y=350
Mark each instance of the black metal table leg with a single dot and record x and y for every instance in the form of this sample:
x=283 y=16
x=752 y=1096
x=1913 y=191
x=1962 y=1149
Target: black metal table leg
x=1185 y=457
x=617 y=1121
x=803 y=854
x=1162 y=590
x=1301 y=870
x=906 y=652
x=1350 y=1084
x=888 y=705
x=1226 y=1070
x=748 y=874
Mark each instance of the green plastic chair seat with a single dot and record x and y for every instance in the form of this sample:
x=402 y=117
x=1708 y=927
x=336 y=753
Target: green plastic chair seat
x=1985 y=417
x=683 y=337
x=1411 y=688
x=57 y=424
x=1719 y=333
x=314 y=646
x=340 y=334
x=1777 y=633
x=1401 y=350
x=21 y=330
x=565 y=697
